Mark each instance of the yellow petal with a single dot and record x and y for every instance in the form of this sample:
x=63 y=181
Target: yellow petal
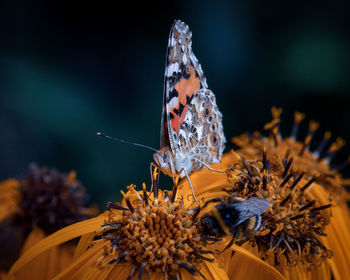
x=10 y=198
x=77 y=270
x=3 y=275
x=338 y=242
x=185 y=275
x=243 y=266
x=34 y=237
x=121 y=271
x=58 y=238
x=213 y=271
x=243 y=263
x=318 y=193
x=322 y=272
x=83 y=244
x=296 y=273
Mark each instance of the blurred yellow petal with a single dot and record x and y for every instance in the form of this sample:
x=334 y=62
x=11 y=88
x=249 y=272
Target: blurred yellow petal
x=322 y=272
x=3 y=275
x=297 y=273
x=338 y=233
x=10 y=198
x=77 y=270
x=337 y=240
x=34 y=237
x=243 y=264
x=122 y=272
x=241 y=267
x=83 y=244
x=213 y=271
x=58 y=238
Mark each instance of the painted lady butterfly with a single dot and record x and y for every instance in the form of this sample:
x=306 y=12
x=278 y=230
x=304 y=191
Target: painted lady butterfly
x=191 y=127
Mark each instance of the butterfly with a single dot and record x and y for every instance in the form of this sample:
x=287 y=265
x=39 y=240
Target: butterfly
x=191 y=135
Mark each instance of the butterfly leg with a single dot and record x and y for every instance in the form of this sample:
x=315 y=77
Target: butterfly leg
x=207 y=166
x=174 y=192
x=189 y=181
x=229 y=244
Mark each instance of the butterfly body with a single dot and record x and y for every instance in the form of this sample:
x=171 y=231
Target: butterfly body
x=191 y=126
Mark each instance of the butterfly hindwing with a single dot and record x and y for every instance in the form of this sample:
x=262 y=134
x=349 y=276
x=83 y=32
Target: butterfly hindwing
x=201 y=137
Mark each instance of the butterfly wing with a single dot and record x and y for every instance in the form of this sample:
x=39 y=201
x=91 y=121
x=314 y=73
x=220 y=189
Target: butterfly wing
x=183 y=78
x=201 y=137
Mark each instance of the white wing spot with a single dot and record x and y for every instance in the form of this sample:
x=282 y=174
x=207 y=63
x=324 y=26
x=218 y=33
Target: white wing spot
x=184 y=59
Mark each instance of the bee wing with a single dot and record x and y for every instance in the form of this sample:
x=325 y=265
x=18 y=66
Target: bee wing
x=253 y=206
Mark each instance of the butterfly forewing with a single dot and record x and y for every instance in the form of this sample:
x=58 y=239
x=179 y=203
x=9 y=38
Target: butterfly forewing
x=191 y=129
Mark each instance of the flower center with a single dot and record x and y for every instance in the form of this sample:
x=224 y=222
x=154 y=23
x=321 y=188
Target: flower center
x=315 y=163
x=154 y=236
x=52 y=200
x=293 y=223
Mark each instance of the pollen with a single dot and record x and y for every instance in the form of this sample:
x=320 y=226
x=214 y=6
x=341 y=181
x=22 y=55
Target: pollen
x=295 y=223
x=154 y=232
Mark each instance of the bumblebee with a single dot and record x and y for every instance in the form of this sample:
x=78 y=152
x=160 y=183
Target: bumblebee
x=234 y=217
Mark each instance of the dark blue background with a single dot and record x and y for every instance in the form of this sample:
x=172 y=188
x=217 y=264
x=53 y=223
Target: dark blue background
x=71 y=68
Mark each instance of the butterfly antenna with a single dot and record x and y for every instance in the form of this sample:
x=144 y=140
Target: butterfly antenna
x=124 y=141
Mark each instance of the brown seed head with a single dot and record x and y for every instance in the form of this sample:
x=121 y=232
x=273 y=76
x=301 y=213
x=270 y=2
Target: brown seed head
x=52 y=200
x=153 y=237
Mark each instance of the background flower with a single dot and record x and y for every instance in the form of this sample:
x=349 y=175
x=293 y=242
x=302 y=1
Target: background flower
x=34 y=207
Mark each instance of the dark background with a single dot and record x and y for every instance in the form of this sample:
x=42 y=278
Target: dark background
x=71 y=68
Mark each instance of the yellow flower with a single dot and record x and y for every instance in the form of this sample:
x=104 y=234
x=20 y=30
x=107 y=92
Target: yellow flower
x=149 y=236
x=306 y=231
x=316 y=164
x=33 y=208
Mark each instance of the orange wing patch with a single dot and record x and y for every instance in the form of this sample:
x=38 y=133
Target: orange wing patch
x=186 y=88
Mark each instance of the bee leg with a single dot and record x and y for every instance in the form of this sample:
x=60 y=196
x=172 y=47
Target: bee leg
x=229 y=245
x=217 y=199
x=198 y=209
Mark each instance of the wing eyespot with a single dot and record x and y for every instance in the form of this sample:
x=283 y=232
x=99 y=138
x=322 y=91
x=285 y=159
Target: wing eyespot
x=214 y=140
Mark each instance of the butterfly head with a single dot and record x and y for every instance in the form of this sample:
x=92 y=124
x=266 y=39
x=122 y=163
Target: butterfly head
x=164 y=160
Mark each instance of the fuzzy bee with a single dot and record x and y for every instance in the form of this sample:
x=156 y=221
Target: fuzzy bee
x=234 y=217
